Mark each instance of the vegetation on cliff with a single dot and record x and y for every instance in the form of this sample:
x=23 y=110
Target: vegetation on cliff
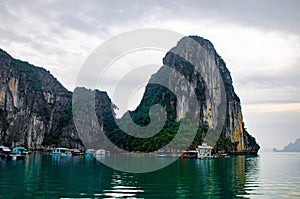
x=35 y=109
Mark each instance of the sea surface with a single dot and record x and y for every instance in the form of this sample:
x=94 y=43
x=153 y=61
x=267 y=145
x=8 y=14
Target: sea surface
x=268 y=175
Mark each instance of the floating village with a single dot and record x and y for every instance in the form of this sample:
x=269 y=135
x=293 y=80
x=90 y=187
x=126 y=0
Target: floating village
x=203 y=151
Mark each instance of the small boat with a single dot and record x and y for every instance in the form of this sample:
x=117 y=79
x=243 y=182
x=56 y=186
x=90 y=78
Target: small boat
x=76 y=152
x=18 y=153
x=90 y=152
x=100 y=152
x=19 y=150
x=4 y=151
x=60 y=152
x=190 y=154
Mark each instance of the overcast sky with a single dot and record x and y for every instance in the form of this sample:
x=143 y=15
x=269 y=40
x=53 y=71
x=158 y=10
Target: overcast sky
x=259 y=41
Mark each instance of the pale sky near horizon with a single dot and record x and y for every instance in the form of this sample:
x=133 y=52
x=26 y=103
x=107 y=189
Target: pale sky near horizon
x=259 y=41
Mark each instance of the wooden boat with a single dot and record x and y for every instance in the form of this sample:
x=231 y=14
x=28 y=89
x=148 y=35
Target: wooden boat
x=90 y=152
x=190 y=154
x=101 y=152
x=20 y=150
x=76 y=152
x=18 y=153
x=4 y=151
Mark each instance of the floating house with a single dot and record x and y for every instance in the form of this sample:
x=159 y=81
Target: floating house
x=61 y=152
x=17 y=153
x=204 y=151
x=20 y=150
x=100 y=152
x=90 y=152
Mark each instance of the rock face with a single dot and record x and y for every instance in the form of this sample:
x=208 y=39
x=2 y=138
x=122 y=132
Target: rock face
x=35 y=109
x=234 y=137
x=197 y=61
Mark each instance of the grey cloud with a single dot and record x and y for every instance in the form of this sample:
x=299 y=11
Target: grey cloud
x=99 y=16
x=260 y=88
x=96 y=16
x=288 y=78
x=280 y=15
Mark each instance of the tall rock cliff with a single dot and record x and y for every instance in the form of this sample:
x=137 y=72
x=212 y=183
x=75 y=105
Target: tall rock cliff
x=35 y=109
x=234 y=137
x=196 y=60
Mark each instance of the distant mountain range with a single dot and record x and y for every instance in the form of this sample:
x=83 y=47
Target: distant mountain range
x=291 y=147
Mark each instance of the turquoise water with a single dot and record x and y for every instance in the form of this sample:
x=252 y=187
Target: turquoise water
x=269 y=175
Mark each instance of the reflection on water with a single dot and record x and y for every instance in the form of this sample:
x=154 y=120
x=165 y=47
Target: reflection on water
x=275 y=175
x=118 y=188
x=41 y=176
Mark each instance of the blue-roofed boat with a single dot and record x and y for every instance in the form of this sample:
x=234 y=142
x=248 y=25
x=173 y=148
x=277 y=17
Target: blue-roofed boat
x=19 y=150
x=60 y=152
x=18 y=153
x=90 y=152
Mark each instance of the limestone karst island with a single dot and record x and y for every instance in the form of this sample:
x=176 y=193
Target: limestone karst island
x=36 y=109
